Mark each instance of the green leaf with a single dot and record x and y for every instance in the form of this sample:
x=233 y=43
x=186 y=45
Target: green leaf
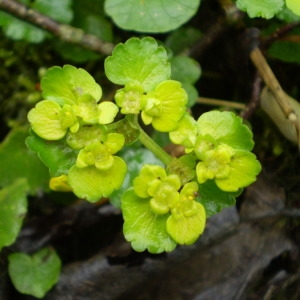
x=139 y=60
x=58 y=10
x=135 y=158
x=186 y=229
x=260 y=8
x=65 y=85
x=13 y=208
x=213 y=199
x=92 y=184
x=165 y=106
x=226 y=127
x=34 y=275
x=20 y=30
x=56 y=155
x=185 y=69
x=182 y=39
x=17 y=161
x=286 y=51
x=243 y=171
x=151 y=16
x=142 y=228
x=46 y=121
x=294 y=6
x=288 y=16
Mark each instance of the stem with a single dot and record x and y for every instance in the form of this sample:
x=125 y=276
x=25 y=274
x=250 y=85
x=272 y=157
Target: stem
x=65 y=32
x=147 y=141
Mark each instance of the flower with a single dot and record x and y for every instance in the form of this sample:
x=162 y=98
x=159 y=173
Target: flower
x=164 y=106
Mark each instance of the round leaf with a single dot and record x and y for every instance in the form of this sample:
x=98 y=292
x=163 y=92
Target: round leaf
x=294 y=6
x=185 y=69
x=226 y=127
x=45 y=120
x=260 y=8
x=186 y=230
x=139 y=60
x=144 y=229
x=65 y=85
x=17 y=161
x=34 y=275
x=151 y=16
x=13 y=207
x=92 y=184
x=213 y=199
x=56 y=155
x=243 y=171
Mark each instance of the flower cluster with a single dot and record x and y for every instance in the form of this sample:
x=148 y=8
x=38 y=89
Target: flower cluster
x=166 y=198
x=163 y=107
x=78 y=138
x=221 y=145
x=71 y=113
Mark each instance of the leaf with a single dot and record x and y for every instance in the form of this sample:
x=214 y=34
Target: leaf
x=294 y=6
x=139 y=60
x=226 y=127
x=185 y=230
x=142 y=228
x=34 y=275
x=288 y=16
x=45 y=120
x=13 y=208
x=17 y=161
x=151 y=16
x=92 y=184
x=182 y=39
x=243 y=171
x=20 y=30
x=56 y=155
x=58 y=10
x=286 y=51
x=165 y=106
x=213 y=199
x=135 y=158
x=65 y=85
x=185 y=69
x=260 y=8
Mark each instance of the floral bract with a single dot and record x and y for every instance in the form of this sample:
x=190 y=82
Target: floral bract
x=165 y=106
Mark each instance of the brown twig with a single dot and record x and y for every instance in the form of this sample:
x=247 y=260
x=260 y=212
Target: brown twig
x=254 y=101
x=279 y=33
x=63 y=31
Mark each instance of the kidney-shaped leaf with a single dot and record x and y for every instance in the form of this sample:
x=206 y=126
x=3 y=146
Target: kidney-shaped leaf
x=13 y=207
x=17 y=161
x=65 y=85
x=34 y=275
x=139 y=60
x=151 y=16
x=260 y=8
x=56 y=155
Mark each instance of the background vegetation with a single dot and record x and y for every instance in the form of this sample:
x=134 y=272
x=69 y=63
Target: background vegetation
x=224 y=52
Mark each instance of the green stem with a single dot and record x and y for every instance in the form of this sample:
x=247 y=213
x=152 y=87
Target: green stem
x=148 y=142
